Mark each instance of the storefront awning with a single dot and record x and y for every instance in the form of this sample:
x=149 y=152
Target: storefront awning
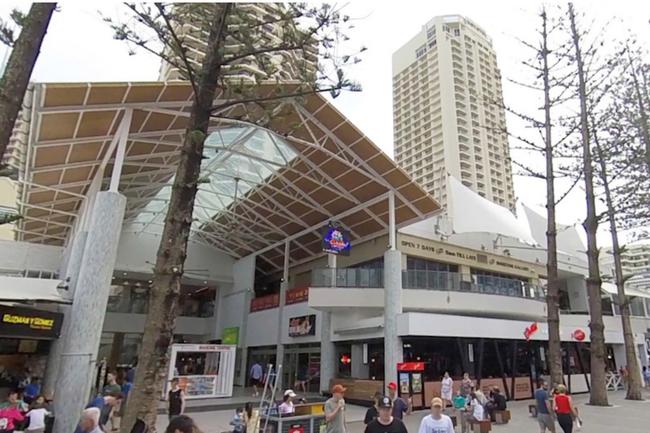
x=18 y=289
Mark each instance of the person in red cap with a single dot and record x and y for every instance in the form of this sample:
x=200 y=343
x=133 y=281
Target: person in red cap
x=335 y=411
x=400 y=406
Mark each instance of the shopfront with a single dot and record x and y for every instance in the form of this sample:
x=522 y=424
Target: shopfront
x=25 y=337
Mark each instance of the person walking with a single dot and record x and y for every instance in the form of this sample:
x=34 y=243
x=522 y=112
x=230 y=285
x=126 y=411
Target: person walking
x=565 y=410
x=447 y=389
x=544 y=409
x=182 y=424
x=37 y=415
x=400 y=406
x=335 y=411
x=89 y=422
x=385 y=422
x=32 y=390
x=466 y=385
x=373 y=411
x=176 y=398
x=10 y=413
x=646 y=376
x=256 y=377
x=436 y=422
x=111 y=387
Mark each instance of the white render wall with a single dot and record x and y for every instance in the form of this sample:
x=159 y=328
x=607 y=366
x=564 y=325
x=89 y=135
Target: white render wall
x=262 y=327
x=18 y=256
x=137 y=253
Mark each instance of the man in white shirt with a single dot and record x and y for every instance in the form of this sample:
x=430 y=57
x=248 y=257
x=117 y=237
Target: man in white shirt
x=437 y=422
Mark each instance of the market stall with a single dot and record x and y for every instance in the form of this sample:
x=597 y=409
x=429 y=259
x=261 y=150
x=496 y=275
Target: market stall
x=203 y=370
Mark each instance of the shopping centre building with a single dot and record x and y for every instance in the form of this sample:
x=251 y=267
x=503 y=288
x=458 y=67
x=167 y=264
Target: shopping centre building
x=453 y=293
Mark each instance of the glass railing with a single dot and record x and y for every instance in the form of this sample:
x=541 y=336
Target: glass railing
x=427 y=280
x=491 y=285
x=348 y=277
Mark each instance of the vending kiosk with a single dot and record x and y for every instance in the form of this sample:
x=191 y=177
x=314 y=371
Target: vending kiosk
x=411 y=383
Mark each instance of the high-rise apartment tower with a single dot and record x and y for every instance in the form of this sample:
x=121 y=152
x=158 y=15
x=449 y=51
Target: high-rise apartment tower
x=447 y=111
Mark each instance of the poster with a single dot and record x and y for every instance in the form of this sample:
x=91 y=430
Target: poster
x=416 y=382
x=197 y=386
x=230 y=335
x=302 y=326
x=404 y=383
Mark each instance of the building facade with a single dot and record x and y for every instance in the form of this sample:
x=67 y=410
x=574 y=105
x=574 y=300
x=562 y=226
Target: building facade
x=283 y=65
x=635 y=261
x=447 y=111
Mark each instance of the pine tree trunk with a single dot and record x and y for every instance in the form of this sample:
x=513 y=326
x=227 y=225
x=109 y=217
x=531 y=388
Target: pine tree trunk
x=598 y=395
x=634 y=372
x=19 y=68
x=151 y=372
x=553 y=284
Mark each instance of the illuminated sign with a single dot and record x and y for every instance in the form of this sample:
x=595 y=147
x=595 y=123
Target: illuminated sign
x=28 y=323
x=336 y=240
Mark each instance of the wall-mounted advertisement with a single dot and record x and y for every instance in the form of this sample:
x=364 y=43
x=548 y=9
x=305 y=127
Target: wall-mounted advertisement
x=336 y=240
x=302 y=326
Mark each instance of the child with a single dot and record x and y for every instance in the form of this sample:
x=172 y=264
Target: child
x=238 y=422
x=37 y=418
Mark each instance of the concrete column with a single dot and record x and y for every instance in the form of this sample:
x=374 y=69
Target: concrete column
x=282 y=327
x=243 y=329
x=88 y=309
x=393 y=352
x=327 y=348
x=327 y=352
x=359 y=369
x=71 y=271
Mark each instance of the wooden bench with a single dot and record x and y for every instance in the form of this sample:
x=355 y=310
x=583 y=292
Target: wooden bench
x=483 y=426
x=532 y=408
x=501 y=416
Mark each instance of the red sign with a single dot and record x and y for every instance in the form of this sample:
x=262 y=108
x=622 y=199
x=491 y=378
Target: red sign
x=410 y=366
x=296 y=428
x=265 y=302
x=297 y=295
x=528 y=332
x=579 y=335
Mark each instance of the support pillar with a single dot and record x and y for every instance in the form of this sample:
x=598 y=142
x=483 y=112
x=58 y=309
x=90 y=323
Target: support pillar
x=71 y=272
x=88 y=309
x=327 y=348
x=243 y=329
x=360 y=370
x=282 y=327
x=393 y=351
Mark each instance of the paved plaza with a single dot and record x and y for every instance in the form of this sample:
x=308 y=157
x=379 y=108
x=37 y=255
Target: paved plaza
x=622 y=417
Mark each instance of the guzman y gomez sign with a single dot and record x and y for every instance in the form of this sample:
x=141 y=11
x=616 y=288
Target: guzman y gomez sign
x=28 y=323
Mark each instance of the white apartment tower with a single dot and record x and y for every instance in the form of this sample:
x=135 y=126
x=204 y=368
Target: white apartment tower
x=447 y=113
x=289 y=65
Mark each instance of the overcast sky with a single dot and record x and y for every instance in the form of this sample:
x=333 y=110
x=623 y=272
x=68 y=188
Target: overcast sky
x=79 y=47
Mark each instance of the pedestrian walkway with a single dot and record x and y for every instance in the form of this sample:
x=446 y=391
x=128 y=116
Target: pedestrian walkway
x=622 y=417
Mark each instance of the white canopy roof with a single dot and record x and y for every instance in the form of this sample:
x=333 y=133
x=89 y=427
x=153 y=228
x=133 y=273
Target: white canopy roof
x=469 y=212
x=18 y=289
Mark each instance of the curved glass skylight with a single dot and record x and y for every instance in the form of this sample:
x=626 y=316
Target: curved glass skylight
x=236 y=160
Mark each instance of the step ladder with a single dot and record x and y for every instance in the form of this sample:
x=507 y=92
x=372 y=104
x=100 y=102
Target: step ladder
x=268 y=406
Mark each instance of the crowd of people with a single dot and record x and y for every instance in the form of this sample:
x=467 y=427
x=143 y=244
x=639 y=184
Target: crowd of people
x=468 y=406
x=26 y=409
